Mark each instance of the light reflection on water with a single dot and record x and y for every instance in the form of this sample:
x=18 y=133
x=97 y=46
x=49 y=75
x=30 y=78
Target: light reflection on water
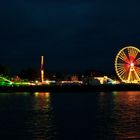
x=41 y=119
x=26 y=116
x=125 y=114
x=70 y=116
x=130 y=115
x=42 y=101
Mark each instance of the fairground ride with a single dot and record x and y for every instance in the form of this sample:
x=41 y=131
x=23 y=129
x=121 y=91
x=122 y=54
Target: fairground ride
x=127 y=64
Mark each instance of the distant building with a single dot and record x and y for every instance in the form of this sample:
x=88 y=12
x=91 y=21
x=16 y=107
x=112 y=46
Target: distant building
x=74 y=78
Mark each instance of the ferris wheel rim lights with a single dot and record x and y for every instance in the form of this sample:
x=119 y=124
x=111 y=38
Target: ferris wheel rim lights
x=127 y=64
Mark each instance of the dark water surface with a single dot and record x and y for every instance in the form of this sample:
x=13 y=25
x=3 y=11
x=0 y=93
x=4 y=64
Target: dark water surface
x=70 y=116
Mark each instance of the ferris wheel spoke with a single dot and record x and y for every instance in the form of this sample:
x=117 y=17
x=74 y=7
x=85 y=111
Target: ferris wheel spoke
x=121 y=69
x=122 y=74
x=138 y=66
x=137 y=69
x=125 y=76
x=120 y=64
x=123 y=57
x=123 y=61
x=139 y=73
x=132 y=52
x=137 y=61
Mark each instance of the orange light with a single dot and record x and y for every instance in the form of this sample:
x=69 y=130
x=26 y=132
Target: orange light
x=42 y=68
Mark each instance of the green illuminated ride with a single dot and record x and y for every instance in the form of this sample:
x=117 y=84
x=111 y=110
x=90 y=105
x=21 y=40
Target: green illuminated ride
x=5 y=82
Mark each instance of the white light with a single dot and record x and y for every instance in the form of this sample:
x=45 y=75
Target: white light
x=132 y=64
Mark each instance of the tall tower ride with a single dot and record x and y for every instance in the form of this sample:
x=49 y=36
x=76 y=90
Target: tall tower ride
x=42 y=69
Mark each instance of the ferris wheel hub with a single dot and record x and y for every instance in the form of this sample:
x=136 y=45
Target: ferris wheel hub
x=131 y=64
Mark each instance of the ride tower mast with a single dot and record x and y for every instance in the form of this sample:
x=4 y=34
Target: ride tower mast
x=42 y=69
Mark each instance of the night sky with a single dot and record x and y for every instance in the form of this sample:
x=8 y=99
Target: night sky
x=73 y=35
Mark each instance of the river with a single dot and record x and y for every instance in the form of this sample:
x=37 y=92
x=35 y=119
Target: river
x=70 y=116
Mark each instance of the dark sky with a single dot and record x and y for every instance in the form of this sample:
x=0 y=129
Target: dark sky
x=71 y=34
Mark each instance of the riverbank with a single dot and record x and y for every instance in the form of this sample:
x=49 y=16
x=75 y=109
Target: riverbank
x=71 y=88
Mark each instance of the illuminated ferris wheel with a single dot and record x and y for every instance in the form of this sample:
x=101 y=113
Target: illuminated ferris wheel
x=127 y=64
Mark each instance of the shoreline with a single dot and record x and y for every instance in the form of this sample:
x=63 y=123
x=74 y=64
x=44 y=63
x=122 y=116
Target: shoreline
x=71 y=88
